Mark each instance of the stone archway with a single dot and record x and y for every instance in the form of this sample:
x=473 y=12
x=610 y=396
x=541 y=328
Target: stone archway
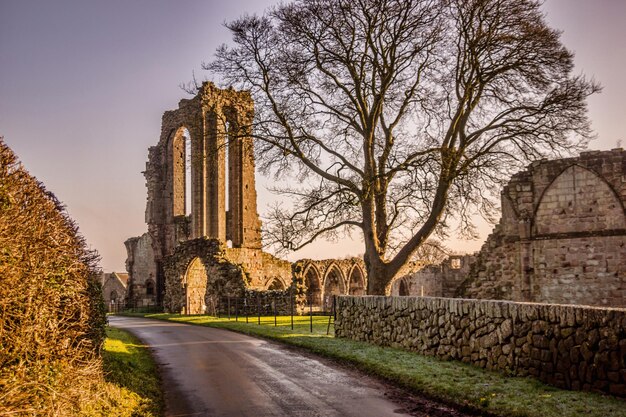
x=195 y=284
x=334 y=284
x=403 y=288
x=312 y=281
x=578 y=201
x=275 y=285
x=356 y=282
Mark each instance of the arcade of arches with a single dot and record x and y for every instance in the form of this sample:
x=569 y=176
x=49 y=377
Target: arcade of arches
x=324 y=278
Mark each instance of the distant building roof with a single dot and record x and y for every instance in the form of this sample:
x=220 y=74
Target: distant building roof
x=122 y=276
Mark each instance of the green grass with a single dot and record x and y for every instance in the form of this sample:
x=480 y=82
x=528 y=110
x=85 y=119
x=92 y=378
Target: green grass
x=451 y=382
x=132 y=374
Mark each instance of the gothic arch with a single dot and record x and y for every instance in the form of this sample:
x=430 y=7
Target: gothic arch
x=578 y=200
x=275 y=283
x=313 y=282
x=195 y=284
x=177 y=162
x=356 y=281
x=403 y=288
x=334 y=284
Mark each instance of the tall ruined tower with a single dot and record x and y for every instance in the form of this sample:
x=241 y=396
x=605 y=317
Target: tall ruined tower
x=223 y=195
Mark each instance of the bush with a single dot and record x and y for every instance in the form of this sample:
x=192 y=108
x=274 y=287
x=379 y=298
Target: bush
x=52 y=315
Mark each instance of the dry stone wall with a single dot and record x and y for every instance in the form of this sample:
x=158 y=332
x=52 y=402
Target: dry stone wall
x=573 y=347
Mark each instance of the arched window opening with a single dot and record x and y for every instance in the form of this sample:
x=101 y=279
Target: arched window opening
x=313 y=287
x=113 y=295
x=149 y=288
x=333 y=285
x=276 y=285
x=357 y=282
x=181 y=172
x=188 y=156
x=196 y=283
x=227 y=164
x=404 y=288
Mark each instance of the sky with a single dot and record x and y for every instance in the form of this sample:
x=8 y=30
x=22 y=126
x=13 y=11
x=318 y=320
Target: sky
x=84 y=83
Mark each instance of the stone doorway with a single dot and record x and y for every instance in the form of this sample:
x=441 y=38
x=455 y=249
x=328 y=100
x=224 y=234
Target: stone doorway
x=195 y=284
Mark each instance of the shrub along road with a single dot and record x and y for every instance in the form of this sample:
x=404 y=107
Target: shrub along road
x=215 y=372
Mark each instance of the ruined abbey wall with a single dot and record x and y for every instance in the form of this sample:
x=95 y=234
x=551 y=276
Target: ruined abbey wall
x=441 y=280
x=319 y=280
x=215 y=126
x=141 y=267
x=561 y=238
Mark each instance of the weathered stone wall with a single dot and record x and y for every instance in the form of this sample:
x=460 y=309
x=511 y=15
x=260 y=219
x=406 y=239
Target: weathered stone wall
x=141 y=268
x=264 y=270
x=562 y=235
x=567 y=346
x=561 y=239
x=202 y=271
x=188 y=289
x=441 y=280
x=113 y=287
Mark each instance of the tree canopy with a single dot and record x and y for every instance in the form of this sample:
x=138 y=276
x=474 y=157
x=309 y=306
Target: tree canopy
x=401 y=118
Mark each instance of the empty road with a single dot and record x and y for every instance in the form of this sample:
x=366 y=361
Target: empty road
x=213 y=372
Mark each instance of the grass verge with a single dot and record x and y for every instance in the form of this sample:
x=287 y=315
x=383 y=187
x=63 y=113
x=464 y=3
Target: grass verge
x=132 y=383
x=448 y=381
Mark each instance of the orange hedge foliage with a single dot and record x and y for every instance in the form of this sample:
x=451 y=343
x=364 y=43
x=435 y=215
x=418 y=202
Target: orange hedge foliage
x=52 y=315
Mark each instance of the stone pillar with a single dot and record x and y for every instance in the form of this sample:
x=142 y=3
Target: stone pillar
x=198 y=180
x=215 y=177
x=243 y=225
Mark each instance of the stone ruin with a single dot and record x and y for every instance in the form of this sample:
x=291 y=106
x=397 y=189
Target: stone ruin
x=218 y=245
x=187 y=261
x=561 y=239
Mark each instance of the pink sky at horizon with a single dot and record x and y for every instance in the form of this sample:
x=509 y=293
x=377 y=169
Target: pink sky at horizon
x=83 y=86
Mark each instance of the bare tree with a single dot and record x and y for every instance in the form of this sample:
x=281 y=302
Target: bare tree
x=401 y=117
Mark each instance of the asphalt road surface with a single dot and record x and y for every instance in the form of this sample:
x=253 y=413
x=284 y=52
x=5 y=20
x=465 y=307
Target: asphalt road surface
x=213 y=372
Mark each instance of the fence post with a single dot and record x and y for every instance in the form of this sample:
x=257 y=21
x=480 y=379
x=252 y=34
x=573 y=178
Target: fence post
x=245 y=308
x=258 y=307
x=275 y=311
x=236 y=309
x=229 y=308
x=291 y=305
x=331 y=315
x=311 y=311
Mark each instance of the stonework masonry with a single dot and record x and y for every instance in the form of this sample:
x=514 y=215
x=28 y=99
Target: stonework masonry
x=114 y=287
x=561 y=238
x=571 y=347
x=142 y=268
x=441 y=280
x=215 y=126
x=319 y=280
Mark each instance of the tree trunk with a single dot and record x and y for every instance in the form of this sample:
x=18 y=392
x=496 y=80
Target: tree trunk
x=378 y=277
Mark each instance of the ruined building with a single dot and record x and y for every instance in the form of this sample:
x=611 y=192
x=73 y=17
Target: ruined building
x=216 y=249
x=561 y=239
x=114 y=287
